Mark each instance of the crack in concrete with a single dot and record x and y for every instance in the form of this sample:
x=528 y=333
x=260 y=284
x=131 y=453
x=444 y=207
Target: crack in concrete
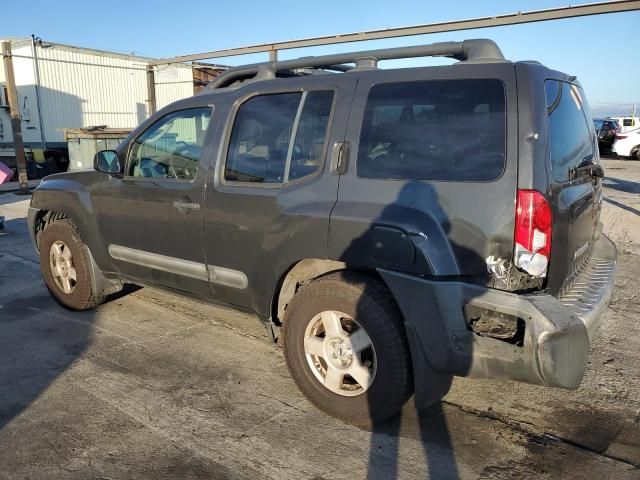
x=540 y=438
x=282 y=402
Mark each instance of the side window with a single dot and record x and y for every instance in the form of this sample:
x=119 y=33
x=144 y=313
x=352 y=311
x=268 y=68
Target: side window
x=311 y=134
x=278 y=137
x=170 y=148
x=452 y=130
x=570 y=137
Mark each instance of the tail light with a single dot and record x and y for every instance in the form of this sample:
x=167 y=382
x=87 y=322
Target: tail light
x=620 y=137
x=532 y=236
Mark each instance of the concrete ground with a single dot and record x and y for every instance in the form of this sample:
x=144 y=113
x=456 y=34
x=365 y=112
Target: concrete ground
x=151 y=385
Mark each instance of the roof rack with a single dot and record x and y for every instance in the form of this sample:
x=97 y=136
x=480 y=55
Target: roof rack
x=477 y=50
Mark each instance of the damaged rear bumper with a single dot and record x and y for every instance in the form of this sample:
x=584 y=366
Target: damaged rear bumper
x=555 y=346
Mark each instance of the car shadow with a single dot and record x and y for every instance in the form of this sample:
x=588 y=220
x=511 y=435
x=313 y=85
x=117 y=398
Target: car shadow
x=38 y=342
x=626 y=186
x=39 y=339
x=429 y=427
x=629 y=209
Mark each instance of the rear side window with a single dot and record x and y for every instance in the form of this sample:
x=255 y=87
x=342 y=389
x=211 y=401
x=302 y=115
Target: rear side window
x=311 y=135
x=628 y=122
x=570 y=138
x=279 y=137
x=451 y=130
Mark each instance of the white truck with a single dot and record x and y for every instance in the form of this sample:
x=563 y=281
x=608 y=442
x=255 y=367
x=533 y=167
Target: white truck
x=627 y=123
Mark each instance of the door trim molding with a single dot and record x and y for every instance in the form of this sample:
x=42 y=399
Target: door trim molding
x=178 y=266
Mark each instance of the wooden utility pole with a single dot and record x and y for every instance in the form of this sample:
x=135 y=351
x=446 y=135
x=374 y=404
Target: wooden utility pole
x=151 y=90
x=16 y=123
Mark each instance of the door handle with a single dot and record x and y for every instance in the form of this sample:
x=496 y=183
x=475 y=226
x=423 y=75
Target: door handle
x=181 y=205
x=339 y=156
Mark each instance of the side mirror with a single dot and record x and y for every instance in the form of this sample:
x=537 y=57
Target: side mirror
x=107 y=161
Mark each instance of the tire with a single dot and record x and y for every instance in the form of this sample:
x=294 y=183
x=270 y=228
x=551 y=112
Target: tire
x=63 y=234
x=361 y=302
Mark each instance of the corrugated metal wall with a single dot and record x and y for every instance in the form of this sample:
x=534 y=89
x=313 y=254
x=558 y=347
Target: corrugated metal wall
x=80 y=88
x=80 y=95
x=173 y=83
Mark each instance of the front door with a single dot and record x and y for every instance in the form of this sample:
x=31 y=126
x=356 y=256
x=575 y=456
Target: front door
x=151 y=216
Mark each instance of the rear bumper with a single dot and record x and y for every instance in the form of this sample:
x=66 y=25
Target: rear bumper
x=587 y=296
x=557 y=330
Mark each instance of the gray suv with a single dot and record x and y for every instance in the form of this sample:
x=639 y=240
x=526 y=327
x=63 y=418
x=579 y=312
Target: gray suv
x=392 y=228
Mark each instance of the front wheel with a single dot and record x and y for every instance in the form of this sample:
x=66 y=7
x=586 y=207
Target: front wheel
x=65 y=266
x=345 y=347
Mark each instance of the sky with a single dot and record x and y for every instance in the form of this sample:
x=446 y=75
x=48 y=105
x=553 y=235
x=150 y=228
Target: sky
x=602 y=51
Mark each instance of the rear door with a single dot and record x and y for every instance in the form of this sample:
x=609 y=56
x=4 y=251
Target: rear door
x=430 y=183
x=574 y=194
x=268 y=202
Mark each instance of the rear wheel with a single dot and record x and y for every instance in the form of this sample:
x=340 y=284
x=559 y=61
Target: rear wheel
x=345 y=347
x=66 y=267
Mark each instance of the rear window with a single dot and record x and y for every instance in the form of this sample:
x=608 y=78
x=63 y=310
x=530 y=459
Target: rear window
x=570 y=139
x=451 y=130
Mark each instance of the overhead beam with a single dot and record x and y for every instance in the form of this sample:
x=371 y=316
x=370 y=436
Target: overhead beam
x=452 y=26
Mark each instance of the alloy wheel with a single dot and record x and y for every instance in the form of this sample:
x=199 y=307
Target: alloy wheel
x=340 y=353
x=62 y=269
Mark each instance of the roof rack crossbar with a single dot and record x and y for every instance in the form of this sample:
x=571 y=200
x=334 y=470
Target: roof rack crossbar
x=467 y=50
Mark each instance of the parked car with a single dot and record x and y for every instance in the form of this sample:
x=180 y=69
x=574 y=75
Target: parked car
x=626 y=123
x=606 y=130
x=627 y=144
x=392 y=228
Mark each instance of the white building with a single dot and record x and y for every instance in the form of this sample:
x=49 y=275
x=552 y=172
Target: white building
x=61 y=86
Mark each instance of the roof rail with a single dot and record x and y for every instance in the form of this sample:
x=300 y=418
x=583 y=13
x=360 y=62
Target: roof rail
x=477 y=50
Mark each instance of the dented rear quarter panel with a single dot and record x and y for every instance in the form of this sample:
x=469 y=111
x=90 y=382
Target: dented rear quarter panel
x=575 y=204
x=453 y=226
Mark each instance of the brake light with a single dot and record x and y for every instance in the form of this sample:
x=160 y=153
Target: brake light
x=532 y=236
x=621 y=137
